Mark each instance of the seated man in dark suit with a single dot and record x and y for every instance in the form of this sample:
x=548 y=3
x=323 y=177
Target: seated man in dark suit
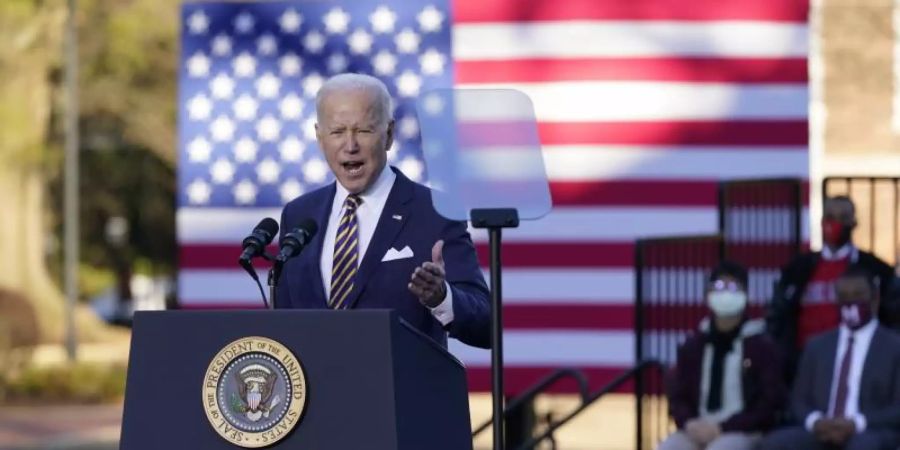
x=847 y=391
x=381 y=243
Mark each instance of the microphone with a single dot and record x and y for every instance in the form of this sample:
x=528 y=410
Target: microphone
x=293 y=243
x=255 y=244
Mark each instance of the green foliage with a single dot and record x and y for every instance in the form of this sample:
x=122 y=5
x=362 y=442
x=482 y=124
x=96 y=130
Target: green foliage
x=78 y=383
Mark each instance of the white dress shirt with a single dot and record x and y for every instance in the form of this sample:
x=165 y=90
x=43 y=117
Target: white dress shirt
x=846 y=250
x=862 y=339
x=367 y=215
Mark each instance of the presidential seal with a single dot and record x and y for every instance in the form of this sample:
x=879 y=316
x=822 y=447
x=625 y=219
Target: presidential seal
x=254 y=392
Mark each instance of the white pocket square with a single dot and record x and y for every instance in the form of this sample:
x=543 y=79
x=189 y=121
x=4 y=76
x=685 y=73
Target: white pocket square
x=393 y=254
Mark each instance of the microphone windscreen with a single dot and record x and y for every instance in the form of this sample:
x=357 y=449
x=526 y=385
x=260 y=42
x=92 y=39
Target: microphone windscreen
x=268 y=226
x=309 y=225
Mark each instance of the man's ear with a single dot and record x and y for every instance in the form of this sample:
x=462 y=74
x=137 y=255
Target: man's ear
x=389 y=141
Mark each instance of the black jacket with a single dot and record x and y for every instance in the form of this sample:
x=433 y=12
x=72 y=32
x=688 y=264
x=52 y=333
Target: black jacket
x=784 y=308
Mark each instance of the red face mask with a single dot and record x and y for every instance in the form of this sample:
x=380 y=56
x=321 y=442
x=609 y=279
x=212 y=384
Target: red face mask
x=856 y=315
x=835 y=233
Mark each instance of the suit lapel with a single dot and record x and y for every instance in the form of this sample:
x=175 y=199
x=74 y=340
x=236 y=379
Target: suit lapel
x=869 y=366
x=824 y=390
x=385 y=232
x=322 y=214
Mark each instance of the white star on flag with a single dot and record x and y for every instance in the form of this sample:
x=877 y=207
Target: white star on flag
x=408 y=84
x=268 y=171
x=222 y=86
x=412 y=168
x=336 y=21
x=432 y=62
x=266 y=45
x=407 y=41
x=268 y=85
x=408 y=127
x=311 y=84
x=245 y=192
x=360 y=42
x=222 y=171
x=290 y=21
x=385 y=63
x=289 y=65
x=291 y=107
x=337 y=63
x=198 y=192
x=309 y=129
x=199 y=107
x=268 y=129
x=430 y=19
x=433 y=104
x=245 y=150
x=291 y=149
x=314 y=42
x=245 y=108
x=198 y=65
x=290 y=190
x=315 y=171
x=199 y=149
x=244 y=65
x=383 y=20
x=198 y=22
x=221 y=45
x=222 y=129
x=244 y=23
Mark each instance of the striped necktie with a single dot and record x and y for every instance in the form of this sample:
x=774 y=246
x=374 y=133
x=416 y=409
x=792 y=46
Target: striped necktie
x=346 y=255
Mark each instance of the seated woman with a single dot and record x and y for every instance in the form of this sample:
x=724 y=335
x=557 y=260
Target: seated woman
x=727 y=385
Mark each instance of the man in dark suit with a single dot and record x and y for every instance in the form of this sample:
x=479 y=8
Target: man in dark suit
x=802 y=304
x=847 y=391
x=381 y=243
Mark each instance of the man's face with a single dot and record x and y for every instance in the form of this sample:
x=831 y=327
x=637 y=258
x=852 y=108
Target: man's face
x=354 y=137
x=852 y=290
x=840 y=211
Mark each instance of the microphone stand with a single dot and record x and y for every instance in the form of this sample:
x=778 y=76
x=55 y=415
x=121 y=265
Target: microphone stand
x=274 y=275
x=495 y=220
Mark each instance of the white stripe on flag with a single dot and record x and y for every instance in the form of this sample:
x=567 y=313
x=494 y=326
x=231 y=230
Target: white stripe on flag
x=604 y=286
x=621 y=162
x=562 y=348
x=599 y=39
x=593 y=101
x=563 y=224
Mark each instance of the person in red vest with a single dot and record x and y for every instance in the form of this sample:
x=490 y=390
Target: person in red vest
x=803 y=302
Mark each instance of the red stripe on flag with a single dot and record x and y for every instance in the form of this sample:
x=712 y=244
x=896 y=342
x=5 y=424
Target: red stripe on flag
x=552 y=315
x=518 y=379
x=634 y=193
x=727 y=133
x=731 y=70
x=559 y=254
x=543 y=10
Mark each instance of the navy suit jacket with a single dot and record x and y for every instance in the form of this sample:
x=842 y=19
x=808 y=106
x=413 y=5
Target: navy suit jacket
x=384 y=284
x=879 y=390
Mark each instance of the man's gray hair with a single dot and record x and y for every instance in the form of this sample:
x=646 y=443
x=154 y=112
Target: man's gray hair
x=354 y=81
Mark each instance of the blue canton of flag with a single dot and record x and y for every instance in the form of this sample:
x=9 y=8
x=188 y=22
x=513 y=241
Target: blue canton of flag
x=248 y=78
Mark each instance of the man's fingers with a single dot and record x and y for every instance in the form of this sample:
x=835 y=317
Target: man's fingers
x=434 y=269
x=426 y=276
x=437 y=253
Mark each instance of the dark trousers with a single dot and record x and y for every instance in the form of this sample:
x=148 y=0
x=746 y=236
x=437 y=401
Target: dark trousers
x=797 y=438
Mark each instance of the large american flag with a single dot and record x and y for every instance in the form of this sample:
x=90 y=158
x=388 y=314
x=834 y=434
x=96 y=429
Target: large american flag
x=643 y=105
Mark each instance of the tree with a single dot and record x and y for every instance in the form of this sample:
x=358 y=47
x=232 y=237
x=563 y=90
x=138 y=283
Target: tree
x=127 y=90
x=32 y=36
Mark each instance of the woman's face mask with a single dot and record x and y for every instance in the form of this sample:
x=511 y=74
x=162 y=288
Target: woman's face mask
x=726 y=299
